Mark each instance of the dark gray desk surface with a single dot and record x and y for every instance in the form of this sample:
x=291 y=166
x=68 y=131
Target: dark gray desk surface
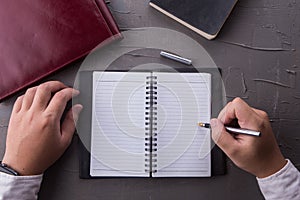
x=258 y=51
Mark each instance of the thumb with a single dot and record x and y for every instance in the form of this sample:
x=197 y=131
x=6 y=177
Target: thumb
x=68 y=125
x=220 y=136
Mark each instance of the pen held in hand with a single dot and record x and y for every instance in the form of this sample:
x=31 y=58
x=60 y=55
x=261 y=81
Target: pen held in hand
x=234 y=130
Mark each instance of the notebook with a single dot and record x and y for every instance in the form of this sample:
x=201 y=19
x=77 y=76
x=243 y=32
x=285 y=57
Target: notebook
x=144 y=124
x=205 y=17
x=40 y=37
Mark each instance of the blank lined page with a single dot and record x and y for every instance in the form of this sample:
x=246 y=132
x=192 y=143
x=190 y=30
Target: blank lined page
x=118 y=124
x=183 y=100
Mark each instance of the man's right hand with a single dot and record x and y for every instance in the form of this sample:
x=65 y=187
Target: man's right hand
x=260 y=156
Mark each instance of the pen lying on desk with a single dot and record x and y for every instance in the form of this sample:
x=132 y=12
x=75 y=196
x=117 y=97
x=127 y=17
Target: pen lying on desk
x=176 y=58
x=233 y=130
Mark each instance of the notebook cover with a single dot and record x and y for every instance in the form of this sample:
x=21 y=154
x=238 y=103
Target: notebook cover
x=206 y=17
x=40 y=37
x=84 y=129
x=218 y=158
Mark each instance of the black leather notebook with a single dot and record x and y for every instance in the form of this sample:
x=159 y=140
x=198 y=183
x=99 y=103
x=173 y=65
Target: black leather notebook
x=100 y=113
x=218 y=166
x=206 y=17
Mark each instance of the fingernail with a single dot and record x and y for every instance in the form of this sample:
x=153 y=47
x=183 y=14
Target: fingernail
x=77 y=109
x=75 y=92
x=213 y=123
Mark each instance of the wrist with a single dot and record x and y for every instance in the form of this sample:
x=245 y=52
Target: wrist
x=22 y=167
x=14 y=165
x=272 y=167
x=7 y=169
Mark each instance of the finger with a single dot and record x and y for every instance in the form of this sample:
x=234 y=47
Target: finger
x=229 y=112
x=59 y=101
x=240 y=110
x=69 y=124
x=18 y=104
x=221 y=137
x=44 y=93
x=28 y=98
x=223 y=112
x=261 y=113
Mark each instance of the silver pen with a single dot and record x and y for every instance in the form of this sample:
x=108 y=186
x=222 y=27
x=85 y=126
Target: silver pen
x=234 y=130
x=176 y=58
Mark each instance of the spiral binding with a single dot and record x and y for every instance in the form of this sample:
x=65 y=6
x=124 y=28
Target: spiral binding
x=151 y=125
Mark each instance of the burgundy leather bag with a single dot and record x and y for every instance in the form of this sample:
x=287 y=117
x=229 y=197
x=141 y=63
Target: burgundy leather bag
x=40 y=37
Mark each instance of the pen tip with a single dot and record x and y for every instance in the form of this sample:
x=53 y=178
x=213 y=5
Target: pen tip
x=201 y=124
x=204 y=125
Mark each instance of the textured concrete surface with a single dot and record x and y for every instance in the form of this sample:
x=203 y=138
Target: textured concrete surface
x=258 y=52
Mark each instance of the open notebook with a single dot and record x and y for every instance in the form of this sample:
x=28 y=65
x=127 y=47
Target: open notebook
x=145 y=124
